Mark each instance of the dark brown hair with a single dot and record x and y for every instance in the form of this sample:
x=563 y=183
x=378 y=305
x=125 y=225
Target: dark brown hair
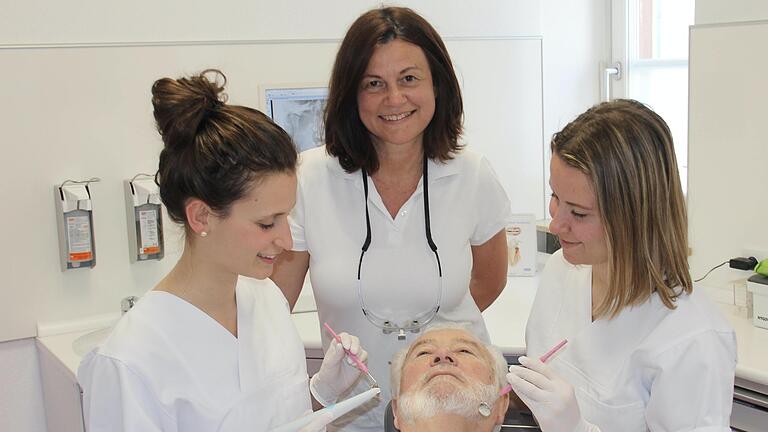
x=345 y=134
x=213 y=151
x=626 y=150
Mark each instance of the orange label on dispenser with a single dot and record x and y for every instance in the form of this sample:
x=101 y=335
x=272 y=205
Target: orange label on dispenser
x=81 y=256
x=150 y=250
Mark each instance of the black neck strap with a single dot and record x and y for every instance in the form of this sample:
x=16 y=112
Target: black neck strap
x=427 y=226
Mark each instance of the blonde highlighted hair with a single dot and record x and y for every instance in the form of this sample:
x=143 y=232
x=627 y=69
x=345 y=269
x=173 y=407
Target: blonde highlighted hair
x=626 y=150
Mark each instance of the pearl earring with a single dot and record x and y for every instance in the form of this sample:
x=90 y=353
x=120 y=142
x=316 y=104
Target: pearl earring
x=203 y=234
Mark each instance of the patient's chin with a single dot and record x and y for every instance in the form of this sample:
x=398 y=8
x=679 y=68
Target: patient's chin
x=444 y=396
x=443 y=386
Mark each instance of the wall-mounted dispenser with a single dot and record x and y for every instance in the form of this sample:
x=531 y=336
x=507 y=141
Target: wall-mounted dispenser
x=145 y=218
x=74 y=213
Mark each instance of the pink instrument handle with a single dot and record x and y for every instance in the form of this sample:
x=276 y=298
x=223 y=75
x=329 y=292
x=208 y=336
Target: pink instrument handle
x=360 y=365
x=508 y=388
x=552 y=351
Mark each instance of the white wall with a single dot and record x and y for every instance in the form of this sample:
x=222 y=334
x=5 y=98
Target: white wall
x=727 y=147
x=83 y=139
x=576 y=40
x=44 y=21
x=721 y=11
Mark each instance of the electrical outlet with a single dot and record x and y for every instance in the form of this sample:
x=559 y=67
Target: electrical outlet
x=760 y=254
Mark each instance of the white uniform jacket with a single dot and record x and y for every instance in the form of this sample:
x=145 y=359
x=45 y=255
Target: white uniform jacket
x=649 y=368
x=168 y=366
x=399 y=274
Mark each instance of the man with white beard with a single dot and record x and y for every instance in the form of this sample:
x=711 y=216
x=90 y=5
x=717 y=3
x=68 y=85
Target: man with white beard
x=439 y=382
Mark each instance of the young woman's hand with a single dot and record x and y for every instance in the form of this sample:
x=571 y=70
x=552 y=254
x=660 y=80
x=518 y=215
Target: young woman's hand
x=550 y=398
x=337 y=372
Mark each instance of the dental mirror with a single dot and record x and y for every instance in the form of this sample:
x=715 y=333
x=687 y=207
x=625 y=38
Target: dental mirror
x=484 y=409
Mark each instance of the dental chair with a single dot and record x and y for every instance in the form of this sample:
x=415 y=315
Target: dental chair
x=514 y=421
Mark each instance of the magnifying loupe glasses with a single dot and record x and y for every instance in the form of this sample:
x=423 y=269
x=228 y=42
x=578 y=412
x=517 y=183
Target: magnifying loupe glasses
x=417 y=322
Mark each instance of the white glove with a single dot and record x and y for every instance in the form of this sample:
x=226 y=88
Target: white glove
x=336 y=375
x=550 y=398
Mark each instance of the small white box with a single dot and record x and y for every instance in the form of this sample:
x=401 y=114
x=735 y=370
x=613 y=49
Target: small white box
x=521 y=244
x=758 y=286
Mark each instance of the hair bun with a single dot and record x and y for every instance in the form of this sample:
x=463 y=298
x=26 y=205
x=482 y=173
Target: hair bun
x=181 y=105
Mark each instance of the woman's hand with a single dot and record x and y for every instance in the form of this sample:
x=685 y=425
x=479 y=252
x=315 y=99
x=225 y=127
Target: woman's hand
x=337 y=372
x=550 y=398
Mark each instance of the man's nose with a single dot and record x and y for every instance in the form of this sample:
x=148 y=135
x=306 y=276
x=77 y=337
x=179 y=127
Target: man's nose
x=443 y=358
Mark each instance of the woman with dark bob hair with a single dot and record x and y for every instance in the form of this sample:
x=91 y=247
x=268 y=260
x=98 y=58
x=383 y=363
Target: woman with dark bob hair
x=645 y=351
x=212 y=347
x=394 y=180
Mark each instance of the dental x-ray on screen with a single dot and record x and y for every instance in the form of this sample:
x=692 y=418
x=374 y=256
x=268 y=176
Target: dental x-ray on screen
x=300 y=112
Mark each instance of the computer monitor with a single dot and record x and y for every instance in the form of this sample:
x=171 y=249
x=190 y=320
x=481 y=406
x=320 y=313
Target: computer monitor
x=299 y=110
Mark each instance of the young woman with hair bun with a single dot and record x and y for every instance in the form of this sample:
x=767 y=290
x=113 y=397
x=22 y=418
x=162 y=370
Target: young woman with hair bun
x=212 y=347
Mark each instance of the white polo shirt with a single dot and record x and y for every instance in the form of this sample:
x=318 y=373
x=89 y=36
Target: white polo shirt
x=399 y=274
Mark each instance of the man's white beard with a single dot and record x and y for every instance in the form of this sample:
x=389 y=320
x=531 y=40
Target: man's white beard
x=464 y=401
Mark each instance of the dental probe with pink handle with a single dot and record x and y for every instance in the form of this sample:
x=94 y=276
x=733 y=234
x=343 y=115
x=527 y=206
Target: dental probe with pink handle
x=485 y=408
x=355 y=359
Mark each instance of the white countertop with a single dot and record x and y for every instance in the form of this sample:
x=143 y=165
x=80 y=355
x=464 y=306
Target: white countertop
x=505 y=320
x=752 y=345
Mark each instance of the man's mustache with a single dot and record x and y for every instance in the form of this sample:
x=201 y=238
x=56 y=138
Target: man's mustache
x=442 y=370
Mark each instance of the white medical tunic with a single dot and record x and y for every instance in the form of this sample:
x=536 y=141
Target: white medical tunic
x=649 y=368
x=399 y=273
x=168 y=366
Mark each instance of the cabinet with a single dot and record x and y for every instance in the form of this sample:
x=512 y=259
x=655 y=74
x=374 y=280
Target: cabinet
x=61 y=393
x=750 y=407
x=314 y=360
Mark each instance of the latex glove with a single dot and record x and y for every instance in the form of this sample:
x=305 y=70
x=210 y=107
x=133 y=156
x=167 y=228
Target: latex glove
x=550 y=398
x=337 y=372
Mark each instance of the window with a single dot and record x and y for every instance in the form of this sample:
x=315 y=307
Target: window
x=655 y=37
